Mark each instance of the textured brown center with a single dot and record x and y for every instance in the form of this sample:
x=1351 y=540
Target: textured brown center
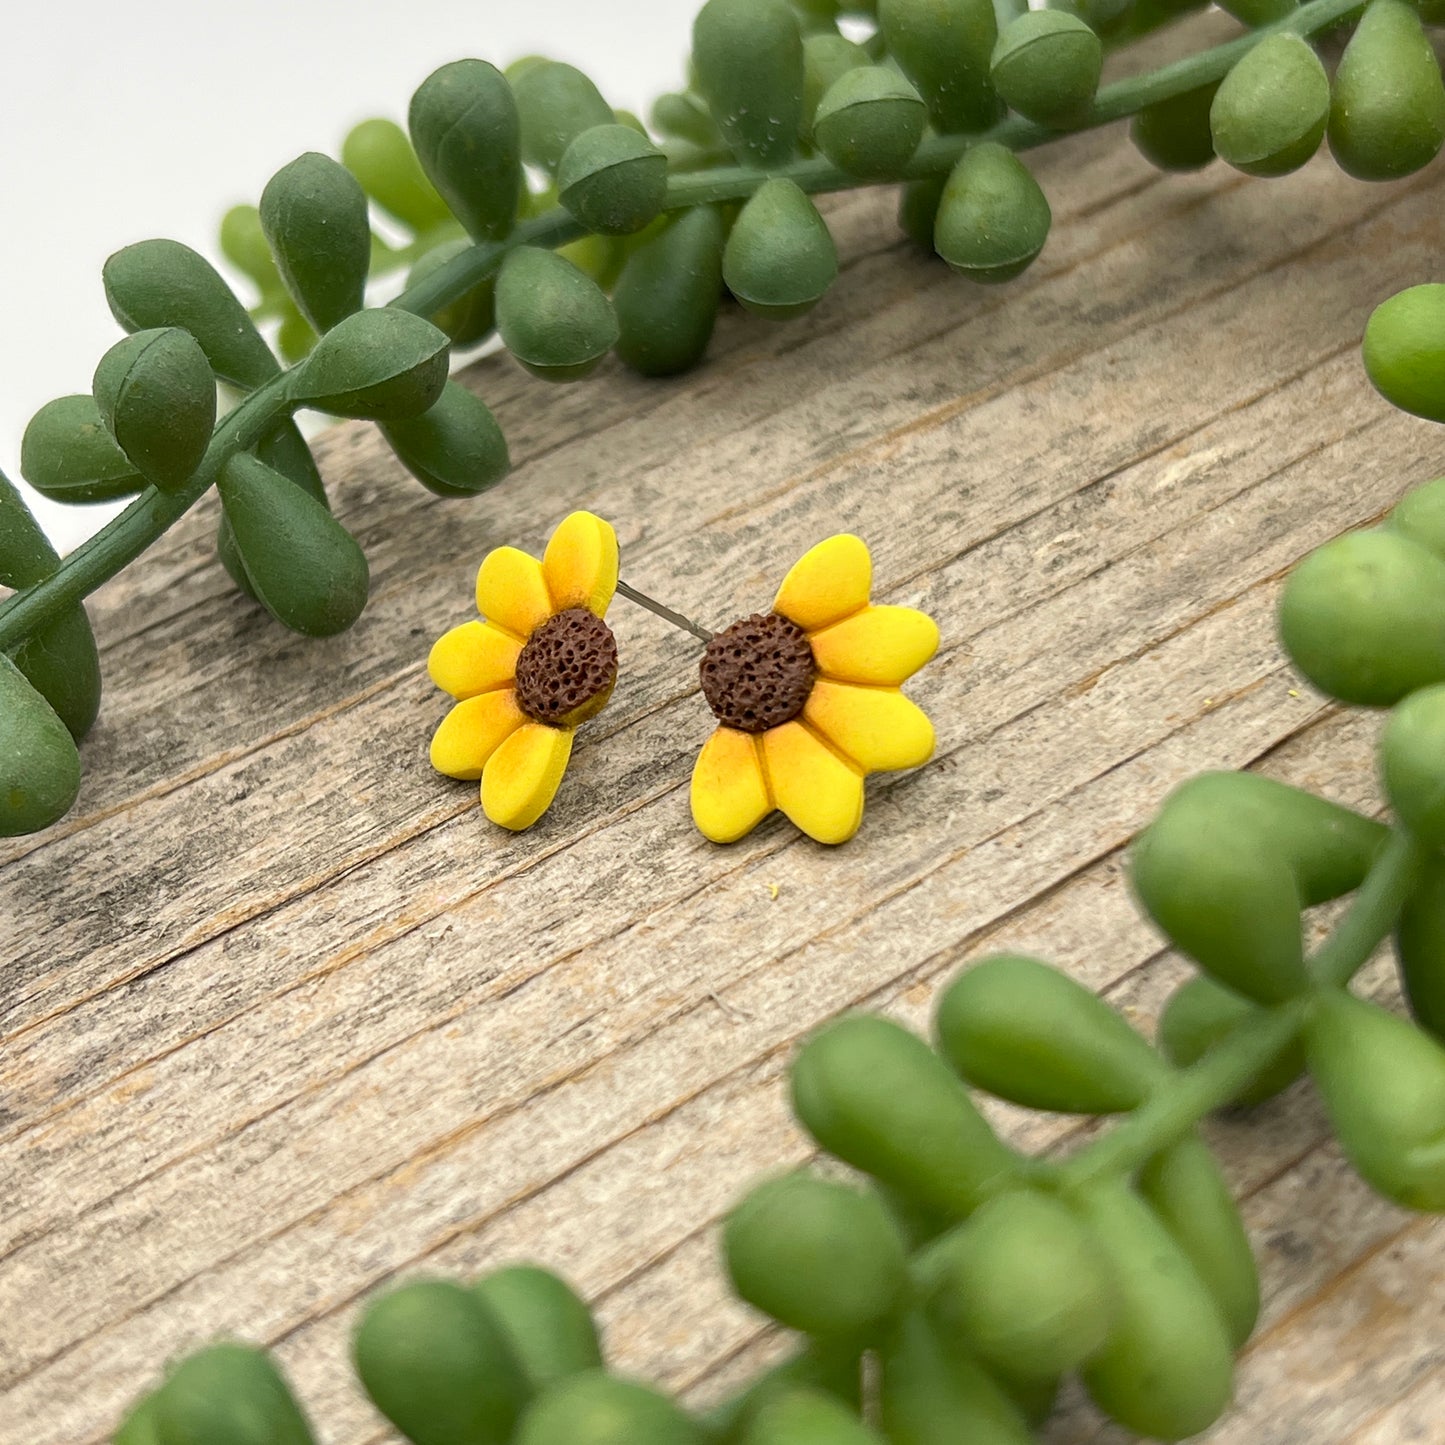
x=566 y=671
x=758 y=673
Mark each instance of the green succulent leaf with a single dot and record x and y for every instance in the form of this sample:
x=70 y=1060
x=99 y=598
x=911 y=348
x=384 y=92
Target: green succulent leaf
x=68 y=455
x=163 y=283
x=455 y=448
x=748 y=56
x=382 y=364
x=667 y=296
x=554 y=319
x=612 y=180
x=437 y=1363
x=379 y=154
x=945 y=48
x=156 y=395
x=464 y=125
x=39 y=764
x=1387 y=116
x=227 y=1394
x=780 y=257
x=1046 y=65
x=870 y=122
x=1268 y=115
x=304 y=567
x=313 y=212
x=555 y=104
x=59 y=657
x=993 y=218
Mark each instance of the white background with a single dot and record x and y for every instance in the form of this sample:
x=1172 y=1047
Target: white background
x=135 y=118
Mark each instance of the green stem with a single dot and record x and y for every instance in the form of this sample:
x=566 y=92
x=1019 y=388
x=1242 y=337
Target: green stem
x=1253 y=1045
x=143 y=522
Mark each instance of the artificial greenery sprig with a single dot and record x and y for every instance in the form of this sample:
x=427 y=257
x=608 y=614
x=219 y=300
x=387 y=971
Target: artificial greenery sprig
x=784 y=107
x=945 y=1295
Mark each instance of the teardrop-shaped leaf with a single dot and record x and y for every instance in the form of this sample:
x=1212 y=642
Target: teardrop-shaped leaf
x=1363 y=617
x=39 y=766
x=825 y=57
x=555 y=104
x=993 y=218
x=59 y=657
x=944 y=47
x=1046 y=66
x=378 y=153
x=228 y=1394
x=1268 y=116
x=438 y=1365
x=1404 y=352
x=870 y=122
x=1387 y=115
x=684 y=117
x=456 y=448
x=612 y=180
x=1174 y=134
x=780 y=257
x=382 y=363
x=1186 y=1188
x=287 y=452
x=68 y=455
x=1420 y=946
x=163 y=283
x=1412 y=764
x=306 y=569
x=748 y=57
x=463 y=123
x=1167 y=1369
x=1383 y=1083
x=314 y=214
x=549 y=1327
x=243 y=244
x=157 y=397
x=667 y=295
x=1024 y=1031
x=557 y=322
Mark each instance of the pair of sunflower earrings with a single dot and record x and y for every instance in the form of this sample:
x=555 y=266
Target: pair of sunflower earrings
x=806 y=696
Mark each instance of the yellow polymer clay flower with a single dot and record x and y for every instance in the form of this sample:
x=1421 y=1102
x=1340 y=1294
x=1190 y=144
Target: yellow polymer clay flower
x=540 y=662
x=808 y=703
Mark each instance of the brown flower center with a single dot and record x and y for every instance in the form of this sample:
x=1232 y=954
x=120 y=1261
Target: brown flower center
x=758 y=673
x=567 y=669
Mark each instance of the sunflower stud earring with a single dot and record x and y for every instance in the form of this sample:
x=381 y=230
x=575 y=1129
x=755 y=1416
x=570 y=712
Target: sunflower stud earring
x=540 y=661
x=808 y=700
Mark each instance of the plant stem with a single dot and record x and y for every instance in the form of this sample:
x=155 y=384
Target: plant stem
x=122 y=540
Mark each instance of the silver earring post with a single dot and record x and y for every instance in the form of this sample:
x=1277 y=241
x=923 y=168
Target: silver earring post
x=666 y=613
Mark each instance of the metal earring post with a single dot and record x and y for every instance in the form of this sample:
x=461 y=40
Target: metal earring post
x=666 y=613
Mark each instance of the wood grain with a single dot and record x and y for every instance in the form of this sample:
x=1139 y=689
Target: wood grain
x=283 y=1019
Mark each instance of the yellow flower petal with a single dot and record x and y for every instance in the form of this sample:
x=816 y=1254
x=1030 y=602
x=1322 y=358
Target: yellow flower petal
x=879 y=645
x=521 y=777
x=820 y=792
x=877 y=727
x=581 y=563
x=729 y=794
x=473 y=730
x=473 y=658
x=827 y=583
x=511 y=591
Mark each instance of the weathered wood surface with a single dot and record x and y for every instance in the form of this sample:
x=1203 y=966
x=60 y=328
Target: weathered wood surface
x=283 y=1018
